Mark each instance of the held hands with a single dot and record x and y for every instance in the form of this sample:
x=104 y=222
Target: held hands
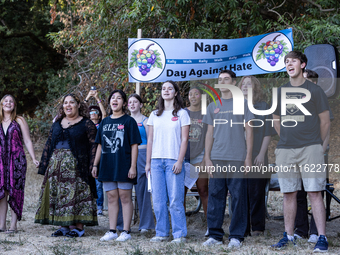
x=177 y=167
x=209 y=165
x=259 y=160
x=36 y=163
x=247 y=165
x=132 y=173
x=94 y=172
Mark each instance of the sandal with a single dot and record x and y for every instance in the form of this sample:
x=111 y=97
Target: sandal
x=58 y=233
x=75 y=233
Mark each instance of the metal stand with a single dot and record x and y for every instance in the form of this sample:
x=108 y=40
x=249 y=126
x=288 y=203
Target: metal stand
x=329 y=193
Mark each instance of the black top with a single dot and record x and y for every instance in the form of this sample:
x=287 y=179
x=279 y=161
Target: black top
x=261 y=129
x=116 y=137
x=307 y=130
x=81 y=139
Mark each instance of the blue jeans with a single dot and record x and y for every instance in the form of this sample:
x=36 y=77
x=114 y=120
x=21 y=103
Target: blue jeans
x=218 y=190
x=168 y=187
x=100 y=194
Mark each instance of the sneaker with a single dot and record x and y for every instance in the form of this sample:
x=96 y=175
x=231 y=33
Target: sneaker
x=313 y=238
x=207 y=233
x=124 y=236
x=144 y=231
x=100 y=212
x=234 y=244
x=156 y=239
x=297 y=236
x=109 y=236
x=283 y=242
x=179 y=240
x=211 y=241
x=321 y=245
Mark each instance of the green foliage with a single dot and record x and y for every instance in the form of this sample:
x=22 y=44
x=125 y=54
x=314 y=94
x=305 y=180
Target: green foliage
x=27 y=58
x=92 y=36
x=96 y=32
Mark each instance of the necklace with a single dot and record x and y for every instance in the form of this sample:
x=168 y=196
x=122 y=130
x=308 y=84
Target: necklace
x=70 y=121
x=6 y=120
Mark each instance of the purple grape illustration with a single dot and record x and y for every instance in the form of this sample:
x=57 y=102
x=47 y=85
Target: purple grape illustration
x=145 y=60
x=272 y=51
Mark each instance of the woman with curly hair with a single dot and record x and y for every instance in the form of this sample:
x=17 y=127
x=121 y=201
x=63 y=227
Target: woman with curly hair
x=68 y=191
x=167 y=143
x=13 y=164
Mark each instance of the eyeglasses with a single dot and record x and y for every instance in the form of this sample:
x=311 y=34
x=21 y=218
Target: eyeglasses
x=94 y=112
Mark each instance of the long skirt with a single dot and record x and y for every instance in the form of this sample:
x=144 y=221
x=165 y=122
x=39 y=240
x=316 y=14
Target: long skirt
x=65 y=199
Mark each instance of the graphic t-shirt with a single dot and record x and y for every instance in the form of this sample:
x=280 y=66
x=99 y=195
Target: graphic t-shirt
x=167 y=135
x=197 y=133
x=116 y=137
x=229 y=139
x=307 y=129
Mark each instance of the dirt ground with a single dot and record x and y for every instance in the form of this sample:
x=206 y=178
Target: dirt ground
x=36 y=239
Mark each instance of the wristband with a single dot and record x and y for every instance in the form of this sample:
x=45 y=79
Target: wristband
x=86 y=100
x=99 y=101
x=94 y=166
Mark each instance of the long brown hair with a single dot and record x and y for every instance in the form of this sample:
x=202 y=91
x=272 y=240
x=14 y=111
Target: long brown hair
x=178 y=102
x=13 y=113
x=258 y=94
x=83 y=110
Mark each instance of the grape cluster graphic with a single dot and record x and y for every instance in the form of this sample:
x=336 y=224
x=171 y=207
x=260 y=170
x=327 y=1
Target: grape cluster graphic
x=272 y=51
x=145 y=59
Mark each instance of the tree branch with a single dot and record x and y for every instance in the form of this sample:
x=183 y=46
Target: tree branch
x=320 y=7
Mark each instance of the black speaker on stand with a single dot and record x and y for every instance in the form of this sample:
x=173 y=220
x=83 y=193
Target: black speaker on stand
x=324 y=60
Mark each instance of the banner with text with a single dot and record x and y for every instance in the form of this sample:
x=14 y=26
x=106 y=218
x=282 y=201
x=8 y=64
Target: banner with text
x=158 y=60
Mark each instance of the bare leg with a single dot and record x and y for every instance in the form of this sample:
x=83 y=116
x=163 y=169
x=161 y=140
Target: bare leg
x=319 y=211
x=3 y=211
x=14 y=220
x=289 y=211
x=127 y=206
x=185 y=195
x=113 y=207
x=80 y=226
x=202 y=187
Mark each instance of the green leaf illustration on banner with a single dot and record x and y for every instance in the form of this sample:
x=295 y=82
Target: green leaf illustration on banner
x=145 y=59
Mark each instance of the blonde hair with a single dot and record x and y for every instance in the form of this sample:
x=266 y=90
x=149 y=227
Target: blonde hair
x=258 y=94
x=13 y=113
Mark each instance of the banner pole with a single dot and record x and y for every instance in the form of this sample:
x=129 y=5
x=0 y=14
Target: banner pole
x=139 y=35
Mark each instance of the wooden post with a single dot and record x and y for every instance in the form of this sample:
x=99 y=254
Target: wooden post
x=139 y=35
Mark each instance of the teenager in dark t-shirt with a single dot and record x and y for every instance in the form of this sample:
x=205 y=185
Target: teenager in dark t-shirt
x=118 y=138
x=301 y=221
x=227 y=147
x=300 y=147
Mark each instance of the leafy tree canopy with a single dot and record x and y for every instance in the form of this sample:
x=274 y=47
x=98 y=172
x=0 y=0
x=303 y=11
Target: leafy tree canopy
x=27 y=57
